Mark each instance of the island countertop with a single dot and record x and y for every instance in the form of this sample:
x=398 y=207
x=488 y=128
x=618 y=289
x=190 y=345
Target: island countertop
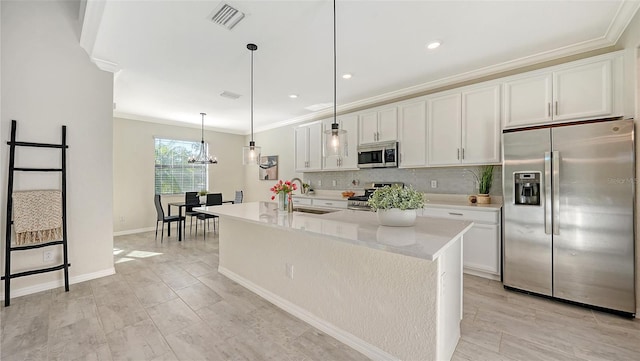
x=426 y=239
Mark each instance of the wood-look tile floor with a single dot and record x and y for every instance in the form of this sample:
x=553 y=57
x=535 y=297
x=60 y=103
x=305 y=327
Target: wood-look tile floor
x=168 y=302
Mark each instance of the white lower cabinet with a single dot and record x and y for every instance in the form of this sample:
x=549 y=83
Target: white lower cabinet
x=481 y=244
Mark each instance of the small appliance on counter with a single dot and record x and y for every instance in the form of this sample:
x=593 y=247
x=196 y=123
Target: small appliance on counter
x=359 y=203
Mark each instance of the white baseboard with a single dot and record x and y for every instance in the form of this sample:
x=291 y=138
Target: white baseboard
x=133 y=231
x=482 y=274
x=59 y=283
x=343 y=336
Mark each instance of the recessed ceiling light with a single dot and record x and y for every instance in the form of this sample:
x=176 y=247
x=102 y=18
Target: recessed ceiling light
x=433 y=45
x=346 y=76
x=293 y=96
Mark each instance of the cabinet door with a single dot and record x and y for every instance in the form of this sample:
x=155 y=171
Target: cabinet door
x=302 y=148
x=368 y=128
x=527 y=100
x=481 y=250
x=443 y=130
x=412 y=126
x=583 y=92
x=481 y=126
x=315 y=146
x=388 y=124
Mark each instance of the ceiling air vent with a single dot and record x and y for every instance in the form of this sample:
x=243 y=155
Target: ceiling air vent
x=230 y=95
x=226 y=16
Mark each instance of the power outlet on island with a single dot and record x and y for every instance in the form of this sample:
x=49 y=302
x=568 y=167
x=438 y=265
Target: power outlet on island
x=288 y=270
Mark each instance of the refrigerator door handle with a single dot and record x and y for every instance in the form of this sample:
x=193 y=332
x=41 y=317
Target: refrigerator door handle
x=555 y=163
x=547 y=192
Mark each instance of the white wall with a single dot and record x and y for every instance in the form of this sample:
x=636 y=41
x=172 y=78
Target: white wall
x=280 y=142
x=48 y=81
x=133 y=169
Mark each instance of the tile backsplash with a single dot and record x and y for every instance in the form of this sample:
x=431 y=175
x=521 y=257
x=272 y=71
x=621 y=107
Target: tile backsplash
x=450 y=180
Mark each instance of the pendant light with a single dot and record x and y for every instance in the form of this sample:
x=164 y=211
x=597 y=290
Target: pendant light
x=251 y=154
x=203 y=156
x=335 y=139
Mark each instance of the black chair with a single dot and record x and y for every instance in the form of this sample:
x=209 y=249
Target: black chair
x=163 y=219
x=238 y=199
x=213 y=199
x=191 y=200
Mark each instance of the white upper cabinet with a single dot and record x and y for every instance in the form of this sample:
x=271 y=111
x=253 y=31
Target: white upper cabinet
x=412 y=129
x=581 y=90
x=308 y=152
x=444 y=118
x=379 y=125
x=464 y=127
x=528 y=100
x=349 y=161
x=481 y=125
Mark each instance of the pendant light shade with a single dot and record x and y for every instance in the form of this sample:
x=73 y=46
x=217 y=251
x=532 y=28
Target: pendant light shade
x=251 y=153
x=203 y=156
x=335 y=139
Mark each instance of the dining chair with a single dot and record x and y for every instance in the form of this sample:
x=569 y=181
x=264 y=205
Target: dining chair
x=238 y=198
x=213 y=199
x=191 y=200
x=161 y=217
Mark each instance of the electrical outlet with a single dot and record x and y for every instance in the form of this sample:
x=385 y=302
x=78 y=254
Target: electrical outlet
x=434 y=184
x=334 y=182
x=288 y=270
x=47 y=256
x=319 y=183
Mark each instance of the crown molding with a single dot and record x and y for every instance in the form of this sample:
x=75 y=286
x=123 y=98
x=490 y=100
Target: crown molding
x=144 y=118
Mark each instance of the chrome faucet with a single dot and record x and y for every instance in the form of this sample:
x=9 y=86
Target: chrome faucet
x=302 y=191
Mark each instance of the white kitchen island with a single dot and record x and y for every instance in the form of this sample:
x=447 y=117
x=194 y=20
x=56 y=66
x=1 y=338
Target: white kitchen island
x=392 y=293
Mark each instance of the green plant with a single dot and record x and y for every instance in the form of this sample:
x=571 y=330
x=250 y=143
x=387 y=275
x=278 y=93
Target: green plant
x=484 y=179
x=396 y=197
x=203 y=192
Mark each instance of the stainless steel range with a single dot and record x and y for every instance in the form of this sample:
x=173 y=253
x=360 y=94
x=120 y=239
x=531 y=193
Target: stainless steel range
x=360 y=203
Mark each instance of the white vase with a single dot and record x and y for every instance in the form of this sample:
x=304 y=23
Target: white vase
x=396 y=217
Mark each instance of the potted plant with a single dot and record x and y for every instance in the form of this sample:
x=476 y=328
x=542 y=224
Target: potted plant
x=396 y=205
x=484 y=179
x=203 y=195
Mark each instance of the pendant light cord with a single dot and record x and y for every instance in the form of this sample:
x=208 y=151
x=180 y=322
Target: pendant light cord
x=202 y=134
x=335 y=74
x=252 y=95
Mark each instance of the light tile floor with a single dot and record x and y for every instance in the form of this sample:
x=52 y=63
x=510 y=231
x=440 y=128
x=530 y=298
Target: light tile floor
x=168 y=302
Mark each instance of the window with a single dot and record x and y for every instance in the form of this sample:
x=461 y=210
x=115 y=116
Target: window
x=173 y=175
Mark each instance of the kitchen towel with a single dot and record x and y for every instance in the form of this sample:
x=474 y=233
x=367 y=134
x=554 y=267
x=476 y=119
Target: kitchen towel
x=37 y=216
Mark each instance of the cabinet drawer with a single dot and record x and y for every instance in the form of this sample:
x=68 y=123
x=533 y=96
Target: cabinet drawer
x=329 y=203
x=468 y=215
x=301 y=201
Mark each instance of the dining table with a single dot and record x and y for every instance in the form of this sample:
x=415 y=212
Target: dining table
x=181 y=205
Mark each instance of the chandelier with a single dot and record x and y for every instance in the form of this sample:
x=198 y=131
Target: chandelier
x=203 y=156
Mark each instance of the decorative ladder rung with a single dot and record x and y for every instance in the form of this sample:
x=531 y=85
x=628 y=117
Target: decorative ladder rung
x=37 y=145
x=38 y=271
x=36 y=245
x=22 y=169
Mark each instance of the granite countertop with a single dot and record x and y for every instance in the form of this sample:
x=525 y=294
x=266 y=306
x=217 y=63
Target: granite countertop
x=426 y=240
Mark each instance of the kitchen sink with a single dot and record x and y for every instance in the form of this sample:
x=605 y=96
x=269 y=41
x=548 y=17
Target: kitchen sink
x=312 y=210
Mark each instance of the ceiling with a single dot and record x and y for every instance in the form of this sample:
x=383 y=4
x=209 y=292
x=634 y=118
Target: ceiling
x=171 y=62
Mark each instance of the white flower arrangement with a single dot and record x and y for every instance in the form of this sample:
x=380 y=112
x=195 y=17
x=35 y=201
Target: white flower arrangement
x=396 y=196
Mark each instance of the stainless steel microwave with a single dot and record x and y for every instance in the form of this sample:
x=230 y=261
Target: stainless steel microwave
x=378 y=155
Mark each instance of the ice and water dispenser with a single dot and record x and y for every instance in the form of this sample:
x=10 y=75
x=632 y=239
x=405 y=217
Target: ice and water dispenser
x=527 y=188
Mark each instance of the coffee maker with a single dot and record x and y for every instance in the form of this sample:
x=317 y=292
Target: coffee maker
x=527 y=188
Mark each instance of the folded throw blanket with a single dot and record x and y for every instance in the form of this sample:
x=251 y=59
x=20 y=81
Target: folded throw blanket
x=37 y=216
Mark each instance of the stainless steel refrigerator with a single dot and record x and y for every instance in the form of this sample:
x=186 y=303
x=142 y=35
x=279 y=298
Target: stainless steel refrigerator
x=569 y=213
